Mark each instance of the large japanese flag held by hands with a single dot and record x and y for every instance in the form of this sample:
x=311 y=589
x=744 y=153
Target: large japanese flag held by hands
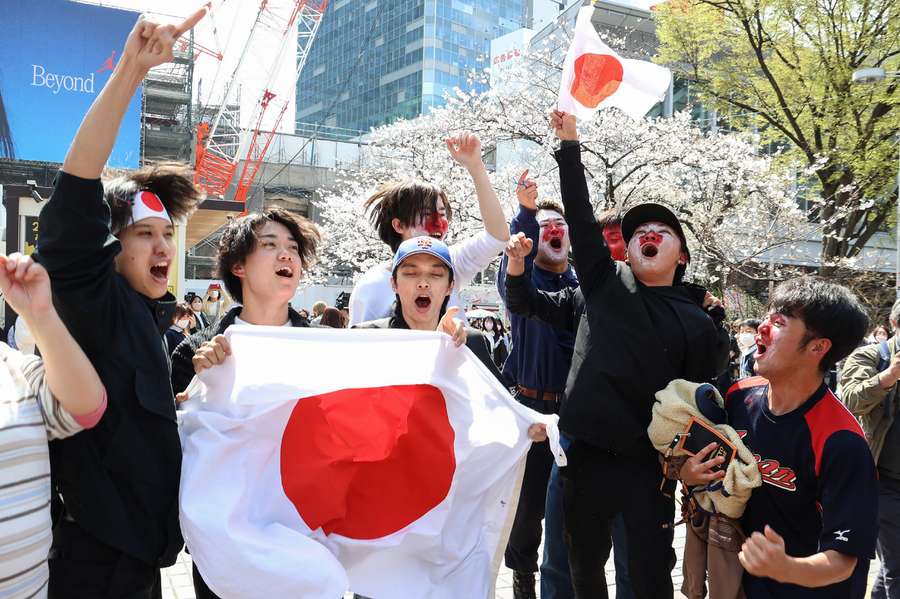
x=595 y=77
x=388 y=462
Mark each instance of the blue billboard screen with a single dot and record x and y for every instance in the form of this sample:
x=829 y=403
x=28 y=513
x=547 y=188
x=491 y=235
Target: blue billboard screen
x=55 y=58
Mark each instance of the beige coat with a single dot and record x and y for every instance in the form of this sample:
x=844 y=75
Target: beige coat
x=861 y=391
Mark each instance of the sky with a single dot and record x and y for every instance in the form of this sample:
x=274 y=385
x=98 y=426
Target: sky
x=210 y=76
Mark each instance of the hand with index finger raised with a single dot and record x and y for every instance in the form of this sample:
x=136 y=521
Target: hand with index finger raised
x=150 y=44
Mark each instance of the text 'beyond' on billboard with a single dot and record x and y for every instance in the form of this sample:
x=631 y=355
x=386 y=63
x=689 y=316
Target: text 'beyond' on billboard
x=55 y=57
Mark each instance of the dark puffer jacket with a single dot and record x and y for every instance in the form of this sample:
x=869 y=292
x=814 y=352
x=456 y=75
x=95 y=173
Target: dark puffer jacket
x=622 y=353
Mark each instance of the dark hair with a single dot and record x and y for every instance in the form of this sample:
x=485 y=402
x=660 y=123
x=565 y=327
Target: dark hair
x=7 y=149
x=182 y=309
x=607 y=218
x=332 y=317
x=171 y=181
x=498 y=326
x=750 y=322
x=238 y=241
x=828 y=310
x=550 y=205
x=408 y=201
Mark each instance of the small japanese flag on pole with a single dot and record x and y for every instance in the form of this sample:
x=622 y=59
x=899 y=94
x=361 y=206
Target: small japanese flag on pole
x=595 y=77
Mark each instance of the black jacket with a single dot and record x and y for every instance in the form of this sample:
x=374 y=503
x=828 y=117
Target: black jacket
x=119 y=480
x=182 y=357
x=560 y=309
x=173 y=337
x=475 y=340
x=621 y=359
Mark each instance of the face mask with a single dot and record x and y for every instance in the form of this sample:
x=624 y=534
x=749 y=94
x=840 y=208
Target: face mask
x=746 y=340
x=183 y=323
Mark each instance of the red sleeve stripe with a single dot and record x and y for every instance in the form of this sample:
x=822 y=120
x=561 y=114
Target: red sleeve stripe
x=747 y=383
x=826 y=418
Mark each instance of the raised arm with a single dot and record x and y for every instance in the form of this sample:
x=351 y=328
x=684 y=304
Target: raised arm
x=556 y=308
x=466 y=150
x=592 y=258
x=72 y=380
x=148 y=45
x=524 y=221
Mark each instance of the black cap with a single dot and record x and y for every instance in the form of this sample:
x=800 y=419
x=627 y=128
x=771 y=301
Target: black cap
x=652 y=213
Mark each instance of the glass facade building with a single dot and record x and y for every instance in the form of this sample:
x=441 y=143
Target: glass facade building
x=374 y=61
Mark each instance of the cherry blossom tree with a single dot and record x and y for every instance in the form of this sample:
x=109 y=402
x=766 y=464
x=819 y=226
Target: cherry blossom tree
x=737 y=205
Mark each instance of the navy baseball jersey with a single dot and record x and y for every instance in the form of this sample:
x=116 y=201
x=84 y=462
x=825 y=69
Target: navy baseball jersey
x=819 y=488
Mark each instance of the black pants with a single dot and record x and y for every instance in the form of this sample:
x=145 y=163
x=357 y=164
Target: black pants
x=597 y=485
x=81 y=566
x=525 y=537
x=201 y=591
x=887 y=582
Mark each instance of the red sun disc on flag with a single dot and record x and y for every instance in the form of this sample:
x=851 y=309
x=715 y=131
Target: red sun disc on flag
x=151 y=201
x=366 y=463
x=597 y=77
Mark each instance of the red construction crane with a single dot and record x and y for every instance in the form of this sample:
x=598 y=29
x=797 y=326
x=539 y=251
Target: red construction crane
x=221 y=143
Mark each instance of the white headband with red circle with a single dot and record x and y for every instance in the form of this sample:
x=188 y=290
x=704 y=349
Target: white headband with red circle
x=146 y=204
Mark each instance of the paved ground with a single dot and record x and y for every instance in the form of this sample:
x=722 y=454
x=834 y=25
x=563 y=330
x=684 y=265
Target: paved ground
x=177 y=579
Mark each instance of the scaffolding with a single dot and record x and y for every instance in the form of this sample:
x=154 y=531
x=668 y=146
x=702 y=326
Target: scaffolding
x=166 y=111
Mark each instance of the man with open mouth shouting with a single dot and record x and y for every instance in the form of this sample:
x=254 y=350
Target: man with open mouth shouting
x=812 y=525
x=401 y=211
x=641 y=328
x=108 y=249
x=537 y=366
x=261 y=258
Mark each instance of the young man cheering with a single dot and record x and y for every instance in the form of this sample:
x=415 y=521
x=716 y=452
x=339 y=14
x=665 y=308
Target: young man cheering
x=812 y=525
x=261 y=258
x=641 y=329
x=414 y=208
x=422 y=277
x=108 y=249
x=562 y=310
x=537 y=366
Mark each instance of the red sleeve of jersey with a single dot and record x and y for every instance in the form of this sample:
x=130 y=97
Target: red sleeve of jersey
x=826 y=418
x=747 y=383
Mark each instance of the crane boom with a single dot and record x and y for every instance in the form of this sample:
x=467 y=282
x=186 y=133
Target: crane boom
x=219 y=147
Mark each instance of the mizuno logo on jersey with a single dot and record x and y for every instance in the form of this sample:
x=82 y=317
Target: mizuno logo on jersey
x=841 y=535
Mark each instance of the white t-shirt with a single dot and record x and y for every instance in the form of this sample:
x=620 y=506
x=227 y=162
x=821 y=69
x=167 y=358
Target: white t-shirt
x=372 y=296
x=239 y=321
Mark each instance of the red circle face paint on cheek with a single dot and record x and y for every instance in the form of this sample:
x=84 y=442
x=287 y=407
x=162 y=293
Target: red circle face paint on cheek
x=437 y=224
